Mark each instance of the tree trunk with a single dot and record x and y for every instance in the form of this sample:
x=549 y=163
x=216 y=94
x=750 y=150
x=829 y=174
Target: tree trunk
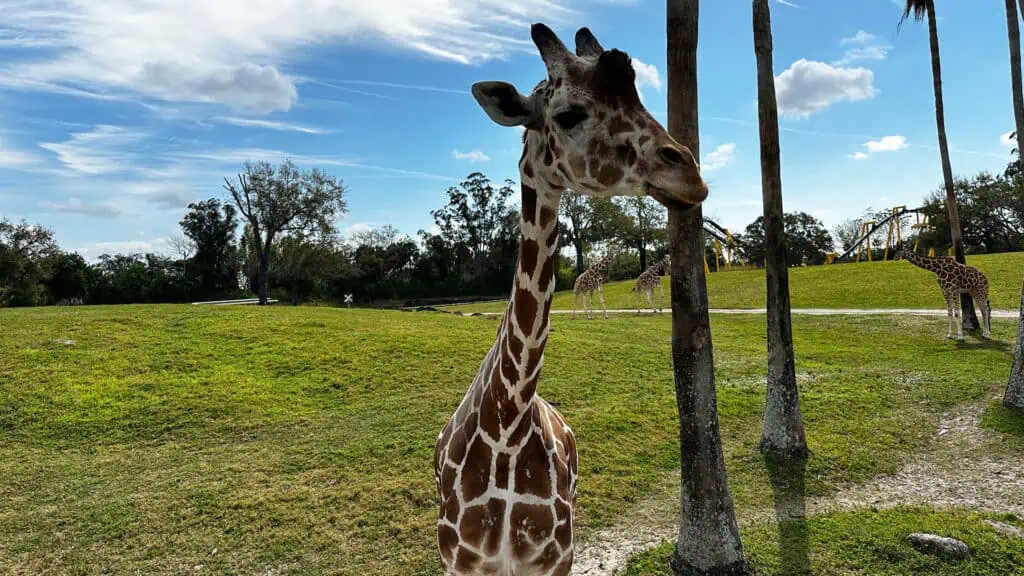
x=709 y=539
x=783 y=429
x=1013 y=34
x=970 y=319
x=580 y=263
x=1014 y=397
x=643 y=255
x=264 y=278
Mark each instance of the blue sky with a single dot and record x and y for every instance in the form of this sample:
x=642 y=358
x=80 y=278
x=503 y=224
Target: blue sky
x=114 y=114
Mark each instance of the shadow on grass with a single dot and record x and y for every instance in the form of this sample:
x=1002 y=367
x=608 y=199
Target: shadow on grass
x=788 y=480
x=979 y=343
x=1002 y=419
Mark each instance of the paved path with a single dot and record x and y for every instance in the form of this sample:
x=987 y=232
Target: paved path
x=797 y=311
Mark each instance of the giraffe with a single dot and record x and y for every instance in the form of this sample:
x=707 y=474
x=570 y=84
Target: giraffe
x=954 y=279
x=505 y=463
x=591 y=280
x=648 y=280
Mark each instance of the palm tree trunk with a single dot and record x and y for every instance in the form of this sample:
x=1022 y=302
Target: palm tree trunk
x=783 y=430
x=1014 y=397
x=709 y=538
x=1013 y=34
x=970 y=319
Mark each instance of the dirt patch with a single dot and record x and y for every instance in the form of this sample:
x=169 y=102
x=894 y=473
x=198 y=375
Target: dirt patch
x=954 y=470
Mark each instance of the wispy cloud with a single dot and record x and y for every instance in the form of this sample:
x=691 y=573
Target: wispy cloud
x=886 y=144
x=719 y=157
x=420 y=87
x=807 y=87
x=77 y=206
x=1008 y=139
x=102 y=150
x=472 y=156
x=94 y=250
x=193 y=50
x=236 y=156
x=788 y=3
x=863 y=46
x=269 y=125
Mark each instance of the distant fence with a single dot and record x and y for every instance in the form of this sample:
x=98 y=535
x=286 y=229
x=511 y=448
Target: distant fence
x=233 y=302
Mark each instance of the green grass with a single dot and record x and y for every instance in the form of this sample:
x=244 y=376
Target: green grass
x=867 y=542
x=1009 y=421
x=863 y=285
x=299 y=440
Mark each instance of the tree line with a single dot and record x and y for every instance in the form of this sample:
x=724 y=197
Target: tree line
x=288 y=234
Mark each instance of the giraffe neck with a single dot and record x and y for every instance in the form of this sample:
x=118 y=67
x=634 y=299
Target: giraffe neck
x=524 y=327
x=921 y=262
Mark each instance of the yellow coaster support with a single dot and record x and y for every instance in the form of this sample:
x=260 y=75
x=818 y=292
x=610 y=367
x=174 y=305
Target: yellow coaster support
x=919 y=225
x=865 y=230
x=895 y=229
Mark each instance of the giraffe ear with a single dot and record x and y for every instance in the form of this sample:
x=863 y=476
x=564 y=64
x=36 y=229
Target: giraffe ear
x=503 y=103
x=587 y=45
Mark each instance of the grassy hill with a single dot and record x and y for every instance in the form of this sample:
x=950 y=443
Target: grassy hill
x=862 y=285
x=154 y=439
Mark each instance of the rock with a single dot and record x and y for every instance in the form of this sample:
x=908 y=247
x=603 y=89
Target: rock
x=939 y=546
x=1006 y=529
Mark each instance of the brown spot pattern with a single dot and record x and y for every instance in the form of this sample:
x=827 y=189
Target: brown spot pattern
x=530 y=524
x=609 y=174
x=546 y=216
x=466 y=560
x=482 y=526
x=532 y=472
x=526 y=310
x=619 y=125
x=501 y=467
x=447 y=541
x=528 y=250
x=476 y=471
x=529 y=204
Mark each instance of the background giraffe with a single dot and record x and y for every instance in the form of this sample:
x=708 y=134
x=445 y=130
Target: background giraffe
x=505 y=463
x=590 y=281
x=954 y=279
x=650 y=279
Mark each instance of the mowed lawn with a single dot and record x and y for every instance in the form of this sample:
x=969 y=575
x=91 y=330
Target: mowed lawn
x=856 y=285
x=174 y=439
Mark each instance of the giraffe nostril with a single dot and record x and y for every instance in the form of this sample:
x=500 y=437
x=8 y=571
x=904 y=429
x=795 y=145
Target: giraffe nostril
x=671 y=155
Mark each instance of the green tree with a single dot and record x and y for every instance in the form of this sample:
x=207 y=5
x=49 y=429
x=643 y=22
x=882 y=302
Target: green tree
x=276 y=201
x=644 y=226
x=27 y=253
x=922 y=9
x=587 y=220
x=211 y=228
x=70 y=278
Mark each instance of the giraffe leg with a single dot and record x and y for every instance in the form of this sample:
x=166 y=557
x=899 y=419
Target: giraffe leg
x=588 y=304
x=959 y=320
x=650 y=302
x=949 y=314
x=661 y=290
x=574 y=295
x=986 y=314
x=600 y=295
x=636 y=299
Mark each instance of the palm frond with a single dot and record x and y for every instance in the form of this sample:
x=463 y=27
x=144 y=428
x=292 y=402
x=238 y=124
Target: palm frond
x=917 y=8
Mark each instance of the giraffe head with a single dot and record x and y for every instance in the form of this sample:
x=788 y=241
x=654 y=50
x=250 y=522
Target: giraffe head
x=586 y=129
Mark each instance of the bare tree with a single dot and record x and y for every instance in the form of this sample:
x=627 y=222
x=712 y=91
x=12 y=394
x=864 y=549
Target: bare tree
x=283 y=200
x=783 y=430
x=1014 y=397
x=709 y=539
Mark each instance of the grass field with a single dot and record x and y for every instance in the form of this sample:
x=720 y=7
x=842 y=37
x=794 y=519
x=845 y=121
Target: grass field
x=155 y=439
x=863 y=285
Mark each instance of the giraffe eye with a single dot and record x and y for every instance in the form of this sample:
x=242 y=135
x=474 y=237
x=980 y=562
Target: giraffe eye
x=571 y=118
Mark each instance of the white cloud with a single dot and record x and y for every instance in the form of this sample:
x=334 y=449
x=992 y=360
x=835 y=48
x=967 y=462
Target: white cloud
x=863 y=46
x=102 y=150
x=807 y=87
x=76 y=206
x=1006 y=140
x=788 y=3
x=646 y=75
x=234 y=52
x=10 y=158
x=269 y=124
x=886 y=144
x=719 y=157
x=473 y=156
